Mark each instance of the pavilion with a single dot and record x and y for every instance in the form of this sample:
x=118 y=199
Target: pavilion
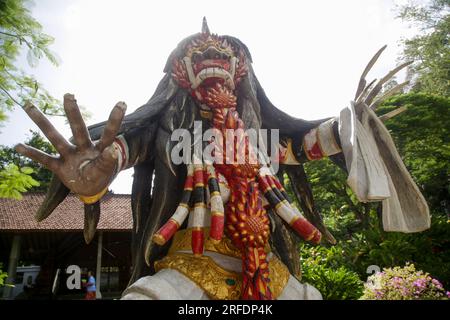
x=50 y=246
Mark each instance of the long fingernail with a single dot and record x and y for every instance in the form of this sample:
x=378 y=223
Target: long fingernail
x=122 y=105
x=69 y=96
x=19 y=148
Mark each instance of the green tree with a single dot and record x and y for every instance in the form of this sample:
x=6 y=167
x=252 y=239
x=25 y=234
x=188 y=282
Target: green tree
x=342 y=212
x=10 y=161
x=3 y=276
x=20 y=31
x=430 y=48
x=15 y=180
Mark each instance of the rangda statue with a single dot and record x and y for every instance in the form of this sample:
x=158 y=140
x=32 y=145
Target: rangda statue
x=220 y=227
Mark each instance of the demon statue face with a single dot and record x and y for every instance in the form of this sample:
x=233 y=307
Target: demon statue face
x=209 y=59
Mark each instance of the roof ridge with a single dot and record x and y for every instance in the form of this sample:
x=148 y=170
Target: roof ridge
x=42 y=193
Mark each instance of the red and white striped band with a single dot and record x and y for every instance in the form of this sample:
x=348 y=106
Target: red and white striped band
x=122 y=160
x=320 y=142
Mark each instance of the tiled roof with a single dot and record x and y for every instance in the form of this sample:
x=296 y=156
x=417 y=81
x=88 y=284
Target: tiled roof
x=18 y=215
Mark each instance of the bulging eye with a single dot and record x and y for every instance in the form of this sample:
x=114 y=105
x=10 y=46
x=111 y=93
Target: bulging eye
x=196 y=57
x=225 y=56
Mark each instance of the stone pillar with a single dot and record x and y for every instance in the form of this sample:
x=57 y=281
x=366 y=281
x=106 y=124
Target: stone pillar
x=12 y=266
x=98 y=274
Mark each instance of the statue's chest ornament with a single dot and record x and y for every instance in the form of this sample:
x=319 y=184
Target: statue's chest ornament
x=251 y=190
x=218 y=282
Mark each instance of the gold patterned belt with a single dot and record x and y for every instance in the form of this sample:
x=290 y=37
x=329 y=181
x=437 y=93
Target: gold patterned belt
x=217 y=282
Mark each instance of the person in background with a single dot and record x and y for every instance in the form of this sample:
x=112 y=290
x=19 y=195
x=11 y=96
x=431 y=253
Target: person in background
x=90 y=287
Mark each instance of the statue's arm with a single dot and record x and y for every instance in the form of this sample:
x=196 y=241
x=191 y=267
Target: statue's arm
x=135 y=146
x=359 y=142
x=91 y=159
x=316 y=143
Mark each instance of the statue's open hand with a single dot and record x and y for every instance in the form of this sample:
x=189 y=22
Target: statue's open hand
x=85 y=167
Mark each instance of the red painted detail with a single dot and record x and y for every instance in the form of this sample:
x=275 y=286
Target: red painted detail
x=305 y=229
x=255 y=286
x=168 y=230
x=315 y=153
x=198 y=241
x=189 y=183
x=276 y=182
x=217 y=224
x=198 y=176
x=263 y=183
x=122 y=153
x=179 y=73
x=282 y=155
x=317 y=237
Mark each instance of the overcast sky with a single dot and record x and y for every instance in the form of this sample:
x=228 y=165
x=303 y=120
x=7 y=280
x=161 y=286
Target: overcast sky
x=308 y=55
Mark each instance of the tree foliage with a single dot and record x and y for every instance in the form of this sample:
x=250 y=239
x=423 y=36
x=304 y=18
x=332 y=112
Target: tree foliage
x=31 y=177
x=343 y=214
x=3 y=276
x=15 y=180
x=430 y=49
x=19 y=31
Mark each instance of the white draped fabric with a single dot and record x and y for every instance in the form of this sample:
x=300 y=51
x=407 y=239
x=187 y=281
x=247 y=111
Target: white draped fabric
x=376 y=171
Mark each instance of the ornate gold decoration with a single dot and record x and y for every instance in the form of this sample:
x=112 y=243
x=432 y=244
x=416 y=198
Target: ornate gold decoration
x=290 y=157
x=279 y=276
x=182 y=241
x=219 y=283
x=159 y=239
x=205 y=41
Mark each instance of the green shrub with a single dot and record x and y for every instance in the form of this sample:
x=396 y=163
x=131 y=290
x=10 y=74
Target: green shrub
x=334 y=283
x=3 y=276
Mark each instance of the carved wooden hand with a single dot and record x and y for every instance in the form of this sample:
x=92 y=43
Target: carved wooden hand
x=85 y=167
